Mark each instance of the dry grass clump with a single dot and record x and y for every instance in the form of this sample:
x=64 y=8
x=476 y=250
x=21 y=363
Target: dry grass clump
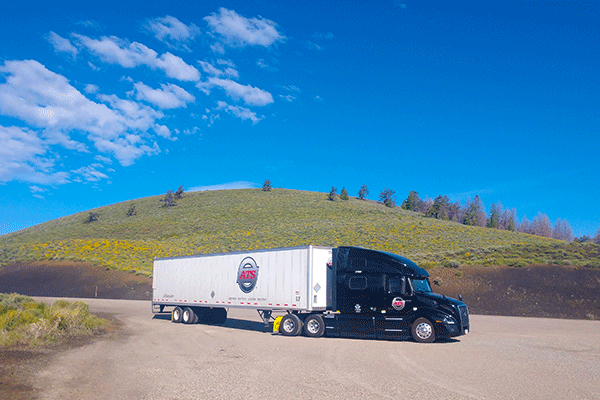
x=24 y=322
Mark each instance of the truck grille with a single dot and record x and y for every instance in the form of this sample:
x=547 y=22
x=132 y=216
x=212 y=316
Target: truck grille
x=464 y=315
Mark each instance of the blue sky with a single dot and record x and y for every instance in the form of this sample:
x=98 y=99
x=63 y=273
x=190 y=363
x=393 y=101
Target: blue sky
x=114 y=101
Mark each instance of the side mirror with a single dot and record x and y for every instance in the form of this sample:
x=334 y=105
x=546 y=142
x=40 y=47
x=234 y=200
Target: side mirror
x=460 y=297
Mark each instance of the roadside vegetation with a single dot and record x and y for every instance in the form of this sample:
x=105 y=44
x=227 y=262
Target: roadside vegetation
x=129 y=235
x=25 y=322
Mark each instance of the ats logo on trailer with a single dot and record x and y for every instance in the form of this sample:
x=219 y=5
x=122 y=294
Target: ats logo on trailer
x=247 y=274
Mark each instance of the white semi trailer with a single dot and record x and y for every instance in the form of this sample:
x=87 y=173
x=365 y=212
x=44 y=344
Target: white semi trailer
x=342 y=291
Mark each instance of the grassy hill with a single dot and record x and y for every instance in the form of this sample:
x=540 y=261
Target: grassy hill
x=233 y=220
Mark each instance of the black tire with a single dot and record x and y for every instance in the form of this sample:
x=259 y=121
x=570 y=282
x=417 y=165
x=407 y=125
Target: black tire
x=290 y=325
x=422 y=331
x=176 y=315
x=188 y=316
x=314 y=326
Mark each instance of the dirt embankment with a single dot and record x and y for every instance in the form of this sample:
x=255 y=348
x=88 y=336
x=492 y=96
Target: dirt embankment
x=70 y=279
x=541 y=291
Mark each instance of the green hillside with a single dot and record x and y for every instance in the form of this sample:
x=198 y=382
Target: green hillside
x=233 y=220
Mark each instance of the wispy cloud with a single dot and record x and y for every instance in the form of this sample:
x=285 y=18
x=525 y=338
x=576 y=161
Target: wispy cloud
x=61 y=44
x=240 y=112
x=168 y=96
x=113 y=50
x=251 y=95
x=234 y=30
x=225 y=186
x=172 y=32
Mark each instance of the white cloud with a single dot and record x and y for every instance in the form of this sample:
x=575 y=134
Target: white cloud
x=210 y=69
x=46 y=100
x=163 y=131
x=173 y=32
x=90 y=173
x=61 y=44
x=288 y=98
x=225 y=186
x=237 y=31
x=240 y=112
x=191 y=131
x=103 y=159
x=130 y=55
x=169 y=96
x=292 y=88
x=23 y=158
x=176 y=68
x=251 y=95
x=91 y=89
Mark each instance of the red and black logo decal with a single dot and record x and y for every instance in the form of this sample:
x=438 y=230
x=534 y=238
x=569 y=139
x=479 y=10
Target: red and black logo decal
x=247 y=274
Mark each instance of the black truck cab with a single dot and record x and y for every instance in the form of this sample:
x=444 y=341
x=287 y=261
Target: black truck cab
x=383 y=295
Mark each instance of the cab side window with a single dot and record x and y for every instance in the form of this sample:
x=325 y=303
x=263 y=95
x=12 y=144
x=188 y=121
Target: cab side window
x=396 y=285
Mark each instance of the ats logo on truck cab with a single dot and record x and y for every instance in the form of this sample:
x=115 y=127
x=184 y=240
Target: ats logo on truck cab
x=247 y=274
x=398 y=303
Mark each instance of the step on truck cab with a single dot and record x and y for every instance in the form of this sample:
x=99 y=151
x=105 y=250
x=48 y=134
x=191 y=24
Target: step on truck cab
x=322 y=291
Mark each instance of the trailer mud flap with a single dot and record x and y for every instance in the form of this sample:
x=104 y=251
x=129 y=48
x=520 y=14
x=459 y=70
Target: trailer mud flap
x=276 y=324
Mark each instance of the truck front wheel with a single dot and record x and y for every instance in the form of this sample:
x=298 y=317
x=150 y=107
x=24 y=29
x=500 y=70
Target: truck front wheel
x=314 y=326
x=290 y=325
x=423 y=331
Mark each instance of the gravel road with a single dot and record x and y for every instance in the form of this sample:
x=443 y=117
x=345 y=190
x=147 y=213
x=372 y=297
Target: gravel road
x=502 y=358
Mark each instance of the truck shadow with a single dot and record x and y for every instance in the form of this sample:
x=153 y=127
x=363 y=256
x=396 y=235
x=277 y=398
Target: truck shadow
x=257 y=326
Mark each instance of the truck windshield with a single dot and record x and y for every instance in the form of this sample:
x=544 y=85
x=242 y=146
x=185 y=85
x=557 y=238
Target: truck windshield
x=421 y=285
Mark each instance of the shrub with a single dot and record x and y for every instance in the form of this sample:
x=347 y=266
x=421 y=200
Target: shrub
x=131 y=210
x=92 y=217
x=266 y=187
x=179 y=193
x=169 y=199
x=451 y=264
x=438 y=281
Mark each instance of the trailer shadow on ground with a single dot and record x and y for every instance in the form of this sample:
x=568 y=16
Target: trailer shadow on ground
x=240 y=324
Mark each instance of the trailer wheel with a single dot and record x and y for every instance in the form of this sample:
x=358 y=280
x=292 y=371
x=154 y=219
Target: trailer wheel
x=314 y=326
x=423 y=331
x=188 y=316
x=290 y=325
x=176 y=315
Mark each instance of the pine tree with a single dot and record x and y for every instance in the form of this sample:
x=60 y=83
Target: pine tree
x=332 y=194
x=169 y=199
x=413 y=202
x=344 y=194
x=440 y=207
x=474 y=215
x=179 y=193
x=363 y=192
x=495 y=213
x=387 y=197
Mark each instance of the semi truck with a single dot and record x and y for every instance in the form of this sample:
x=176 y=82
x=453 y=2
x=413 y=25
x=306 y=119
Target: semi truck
x=321 y=291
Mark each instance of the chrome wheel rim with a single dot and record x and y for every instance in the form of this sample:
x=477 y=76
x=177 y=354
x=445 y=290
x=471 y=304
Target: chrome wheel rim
x=288 y=325
x=313 y=326
x=424 y=330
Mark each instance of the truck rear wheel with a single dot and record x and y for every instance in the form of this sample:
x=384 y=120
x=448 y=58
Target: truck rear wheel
x=423 y=331
x=176 y=315
x=314 y=326
x=290 y=325
x=189 y=316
